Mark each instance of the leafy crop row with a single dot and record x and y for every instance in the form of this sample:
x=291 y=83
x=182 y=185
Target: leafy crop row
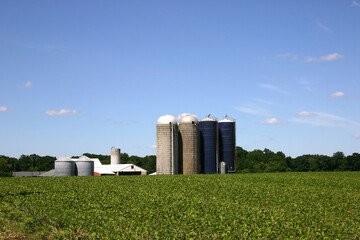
x=266 y=206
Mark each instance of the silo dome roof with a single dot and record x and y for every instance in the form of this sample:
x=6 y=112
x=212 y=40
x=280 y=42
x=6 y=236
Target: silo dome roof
x=64 y=159
x=188 y=119
x=84 y=158
x=166 y=119
x=226 y=120
x=207 y=119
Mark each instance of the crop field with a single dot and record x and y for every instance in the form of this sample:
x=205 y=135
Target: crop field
x=242 y=206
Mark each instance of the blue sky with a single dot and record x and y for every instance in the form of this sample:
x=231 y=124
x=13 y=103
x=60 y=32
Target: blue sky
x=82 y=76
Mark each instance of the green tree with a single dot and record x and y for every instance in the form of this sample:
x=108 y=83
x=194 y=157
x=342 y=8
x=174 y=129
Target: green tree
x=5 y=168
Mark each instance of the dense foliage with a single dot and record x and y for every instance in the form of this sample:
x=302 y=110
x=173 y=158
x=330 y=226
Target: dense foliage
x=311 y=205
x=252 y=161
x=268 y=161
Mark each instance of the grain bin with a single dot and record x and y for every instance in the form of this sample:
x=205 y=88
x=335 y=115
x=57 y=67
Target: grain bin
x=115 y=156
x=65 y=166
x=227 y=143
x=190 y=144
x=85 y=166
x=208 y=128
x=167 y=137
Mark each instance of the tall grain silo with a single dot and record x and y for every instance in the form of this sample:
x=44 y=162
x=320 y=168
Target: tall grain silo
x=208 y=128
x=115 y=156
x=64 y=167
x=227 y=143
x=167 y=147
x=84 y=166
x=190 y=144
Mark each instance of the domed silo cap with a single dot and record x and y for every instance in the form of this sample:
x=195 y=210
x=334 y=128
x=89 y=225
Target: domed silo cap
x=188 y=119
x=166 y=119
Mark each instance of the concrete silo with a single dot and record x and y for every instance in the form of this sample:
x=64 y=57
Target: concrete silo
x=85 y=166
x=115 y=156
x=189 y=144
x=167 y=136
x=208 y=128
x=65 y=166
x=227 y=143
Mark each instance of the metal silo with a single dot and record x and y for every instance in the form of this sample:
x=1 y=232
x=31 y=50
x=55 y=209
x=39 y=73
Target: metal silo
x=115 y=156
x=190 y=144
x=227 y=143
x=167 y=136
x=208 y=128
x=65 y=166
x=85 y=166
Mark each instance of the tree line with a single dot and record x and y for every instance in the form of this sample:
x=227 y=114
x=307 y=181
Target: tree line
x=246 y=162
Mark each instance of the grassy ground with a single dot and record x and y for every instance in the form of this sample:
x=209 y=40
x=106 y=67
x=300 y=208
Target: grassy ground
x=266 y=206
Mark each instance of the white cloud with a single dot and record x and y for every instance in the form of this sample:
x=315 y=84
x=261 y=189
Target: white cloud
x=271 y=87
x=272 y=121
x=62 y=112
x=3 y=109
x=326 y=119
x=28 y=84
x=355 y=3
x=153 y=146
x=305 y=114
x=287 y=55
x=356 y=136
x=251 y=109
x=260 y=100
x=325 y=28
x=330 y=57
x=337 y=94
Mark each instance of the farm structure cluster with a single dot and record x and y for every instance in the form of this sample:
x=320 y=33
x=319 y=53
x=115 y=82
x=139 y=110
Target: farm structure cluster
x=194 y=147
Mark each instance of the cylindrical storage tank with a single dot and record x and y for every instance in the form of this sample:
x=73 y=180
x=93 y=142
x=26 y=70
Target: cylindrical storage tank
x=227 y=144
x=222 y=168
x=167 y=136
x=190 y=144
x=64 y=167
x=208 y=128
x=85 y=166
x=115 y=156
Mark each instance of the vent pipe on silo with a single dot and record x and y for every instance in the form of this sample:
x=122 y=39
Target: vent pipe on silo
x=115 y=156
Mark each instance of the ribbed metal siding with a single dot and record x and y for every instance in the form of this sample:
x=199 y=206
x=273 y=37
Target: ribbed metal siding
x=85 y=168
x=65 y=168
x=227 y=145
x=209 y=146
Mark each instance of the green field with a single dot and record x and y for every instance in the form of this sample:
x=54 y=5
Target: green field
x=265 y=206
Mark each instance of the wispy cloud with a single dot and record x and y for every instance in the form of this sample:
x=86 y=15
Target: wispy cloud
x=272 y=121
x=325 y=28
x=307 y=85
x=62 y=112
x=356 y=136
x=305 y=114
x=3 y=109
x=355 y=3
x=324 y=119
x=153 y=146
x=337 y=95
x=330 y=57
x=252 y=109
x=26 y=85
x=271 y=87
x=287 y=55
x=260 y=100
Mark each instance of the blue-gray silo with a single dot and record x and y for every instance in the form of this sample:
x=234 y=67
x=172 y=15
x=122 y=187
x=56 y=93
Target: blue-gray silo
x=64 y=167
x=227 y=143
x=208 y=128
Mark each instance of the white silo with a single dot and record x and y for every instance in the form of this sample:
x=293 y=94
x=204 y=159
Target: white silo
x=190 y=144
x=115 y=156
x=65 y=166
x=167 y=161
x=85 y=166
